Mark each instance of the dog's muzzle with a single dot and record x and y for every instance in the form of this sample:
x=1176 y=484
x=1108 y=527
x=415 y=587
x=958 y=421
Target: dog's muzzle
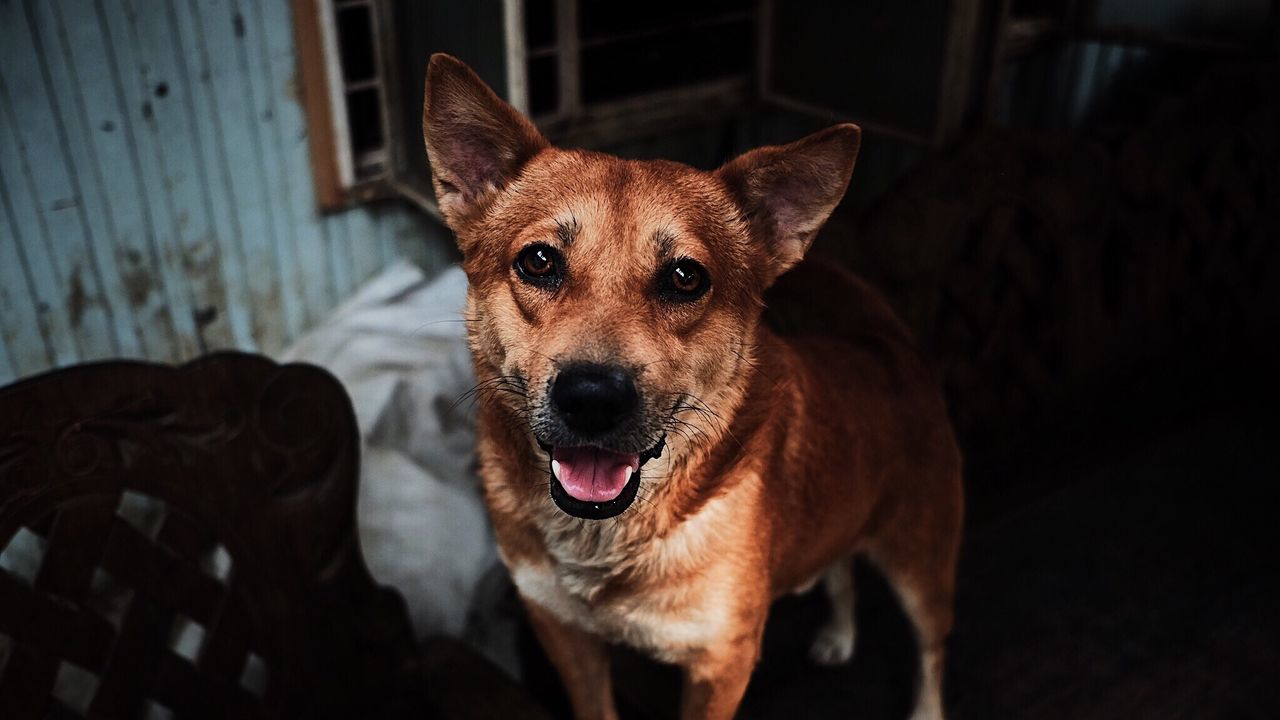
x=597 y=424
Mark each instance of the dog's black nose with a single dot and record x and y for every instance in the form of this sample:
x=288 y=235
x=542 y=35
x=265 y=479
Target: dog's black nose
x=594 y=399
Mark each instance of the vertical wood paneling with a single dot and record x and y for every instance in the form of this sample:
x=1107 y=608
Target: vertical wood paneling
x=424 y=241
x=340 y=260
x=36 y=275
x=190 y=256
x=19 y=322
x=110 y=163
x=64 y=83
x=363 y=238
x=218 y=177
x=168 y=112
x=149 y=137
x=417 y=238
x=223 y=30
x=23 y=141
x=262 y=89
x=155 y=186
x=59 y=207
x=7 y=372
x=307 y=229
x=66 y=219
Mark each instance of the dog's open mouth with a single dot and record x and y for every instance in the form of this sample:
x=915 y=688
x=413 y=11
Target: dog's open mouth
x=594 y=483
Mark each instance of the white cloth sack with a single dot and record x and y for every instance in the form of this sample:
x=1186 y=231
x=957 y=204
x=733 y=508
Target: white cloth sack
x=399 y=348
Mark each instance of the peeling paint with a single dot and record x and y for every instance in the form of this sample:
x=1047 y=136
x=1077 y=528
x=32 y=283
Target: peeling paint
x=293 y=88
x=201 y=257
x=137 y=285
x=76 y=299
x=205 y=316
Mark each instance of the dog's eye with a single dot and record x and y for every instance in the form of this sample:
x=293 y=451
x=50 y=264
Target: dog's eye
x=538 y=263
x=684 y=280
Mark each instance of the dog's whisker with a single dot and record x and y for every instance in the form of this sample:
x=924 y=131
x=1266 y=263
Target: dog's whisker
x=753 y=367
x=424 y=326
x=481 y=385
x=701 y=408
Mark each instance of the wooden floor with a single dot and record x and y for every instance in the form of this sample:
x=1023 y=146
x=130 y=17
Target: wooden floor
x=1138 y=583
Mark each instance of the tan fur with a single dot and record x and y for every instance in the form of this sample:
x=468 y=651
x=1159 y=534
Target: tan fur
x=808 y=446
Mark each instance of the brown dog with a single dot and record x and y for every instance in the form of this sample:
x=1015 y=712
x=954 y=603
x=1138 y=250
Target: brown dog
x=658 y=462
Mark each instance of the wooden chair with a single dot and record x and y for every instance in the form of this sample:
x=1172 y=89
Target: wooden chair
x=181 y=542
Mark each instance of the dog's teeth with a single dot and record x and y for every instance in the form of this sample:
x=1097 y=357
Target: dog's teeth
x=555 y=468
x=630 y=470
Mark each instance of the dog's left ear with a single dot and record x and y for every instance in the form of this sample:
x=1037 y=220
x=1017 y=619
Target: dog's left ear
x=788 y=191
x=476 y=142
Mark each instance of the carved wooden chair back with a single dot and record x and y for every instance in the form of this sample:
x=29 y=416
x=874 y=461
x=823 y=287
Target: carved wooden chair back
x=180 y=542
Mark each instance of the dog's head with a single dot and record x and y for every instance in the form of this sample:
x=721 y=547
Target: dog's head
x=612 y=302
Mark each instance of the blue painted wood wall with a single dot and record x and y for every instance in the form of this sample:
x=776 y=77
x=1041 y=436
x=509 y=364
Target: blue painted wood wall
x=155 y=186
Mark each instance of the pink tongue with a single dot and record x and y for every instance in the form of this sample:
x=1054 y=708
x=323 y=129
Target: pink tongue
x=591 y=474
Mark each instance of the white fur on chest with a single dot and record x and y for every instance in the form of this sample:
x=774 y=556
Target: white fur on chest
x=663 y=623
x=666 y=617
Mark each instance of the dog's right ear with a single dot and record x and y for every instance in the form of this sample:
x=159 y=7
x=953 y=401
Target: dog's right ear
x=789 y=191
x=476 y=142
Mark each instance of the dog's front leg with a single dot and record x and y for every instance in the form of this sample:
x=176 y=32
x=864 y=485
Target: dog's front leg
x=582 y=661
x=715 y=681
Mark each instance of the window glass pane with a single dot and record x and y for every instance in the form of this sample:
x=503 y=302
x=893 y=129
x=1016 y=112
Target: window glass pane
x=647 y=63
x=355 y=40
x=539 y=23
x=544 y=81
x=599 y=19
x=365 y=119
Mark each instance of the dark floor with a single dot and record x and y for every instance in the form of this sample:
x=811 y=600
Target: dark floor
x=1138 y=581
x=1148 y=589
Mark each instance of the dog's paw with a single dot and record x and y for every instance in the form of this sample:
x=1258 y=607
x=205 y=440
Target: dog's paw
x=833 y=645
